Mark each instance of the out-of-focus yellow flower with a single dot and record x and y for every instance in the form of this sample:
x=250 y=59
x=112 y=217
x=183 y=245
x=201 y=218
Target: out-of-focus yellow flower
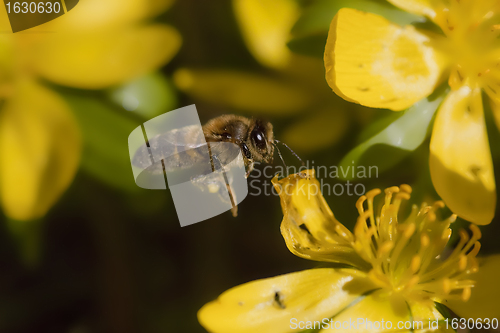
x=266 y=28
x=396 y=272
x=95 y=45
x=375 y=63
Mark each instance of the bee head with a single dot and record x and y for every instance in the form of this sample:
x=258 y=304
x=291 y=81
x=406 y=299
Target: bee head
x=261 y=139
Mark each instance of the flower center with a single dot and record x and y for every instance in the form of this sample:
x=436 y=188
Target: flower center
x=406 y=257
x=472 y=29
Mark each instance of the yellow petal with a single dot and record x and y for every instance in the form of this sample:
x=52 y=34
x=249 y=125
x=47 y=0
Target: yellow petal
x=375 y=63
x=421 y=7
x=309 y=228
x=39 y=151
x=271 y=305
x=95 y=15
x=384 y=312
x=245 y=91
x=485 y=294
x=266 y=26
x=460 y=159
x=104 y=58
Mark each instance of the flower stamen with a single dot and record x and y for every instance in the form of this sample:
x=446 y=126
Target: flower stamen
x=406 y=256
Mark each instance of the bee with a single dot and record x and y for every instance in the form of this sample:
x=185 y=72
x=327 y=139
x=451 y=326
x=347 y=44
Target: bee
x=255 y=137
x=186 y=148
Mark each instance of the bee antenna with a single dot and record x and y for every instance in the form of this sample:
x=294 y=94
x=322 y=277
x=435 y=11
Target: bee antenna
x=279 y=154
x=290 y=149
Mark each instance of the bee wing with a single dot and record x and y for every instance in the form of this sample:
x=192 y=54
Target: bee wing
x=223 y=153
x=179 y=149
x=186 y=157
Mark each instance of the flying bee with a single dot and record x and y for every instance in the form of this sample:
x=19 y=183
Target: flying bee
x=254 y=137
x=186 y=148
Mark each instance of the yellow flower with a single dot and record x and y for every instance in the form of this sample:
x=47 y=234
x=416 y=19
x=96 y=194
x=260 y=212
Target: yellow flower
x=266 y=26
x=396 y=270
x=375 y=63
x=95 y=45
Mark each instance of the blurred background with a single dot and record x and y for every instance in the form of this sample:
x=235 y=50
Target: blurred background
x=82 y=248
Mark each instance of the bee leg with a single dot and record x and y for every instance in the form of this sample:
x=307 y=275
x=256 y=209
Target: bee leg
x=234 y=210
x=249 y=169
x=232 y=196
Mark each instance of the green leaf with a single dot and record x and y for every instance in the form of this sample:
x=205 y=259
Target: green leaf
x=311 y=30
x=148 y=96
x=105 y=134
x=444 y=310
x=395 y=141
x=446 y=313
x=382 y=119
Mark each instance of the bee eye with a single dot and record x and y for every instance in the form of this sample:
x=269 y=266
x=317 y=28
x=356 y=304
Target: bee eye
x=246 y=151
x=226 y=136
x=259 y=139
